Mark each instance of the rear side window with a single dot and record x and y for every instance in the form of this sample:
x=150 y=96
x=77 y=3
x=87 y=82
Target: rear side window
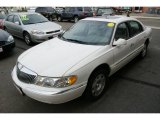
x=79 y=8
x=10 y=18
x=134 y=28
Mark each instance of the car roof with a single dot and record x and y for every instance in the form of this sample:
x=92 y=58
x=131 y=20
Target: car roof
x=109 y=18
x=23 y=13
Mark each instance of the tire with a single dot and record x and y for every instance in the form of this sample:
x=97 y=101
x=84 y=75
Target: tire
x=50 y=18
x=76 y=19
x=59 y=19
x=4 y=28
x=96 y=85
x=27 y=38
x=144 y=51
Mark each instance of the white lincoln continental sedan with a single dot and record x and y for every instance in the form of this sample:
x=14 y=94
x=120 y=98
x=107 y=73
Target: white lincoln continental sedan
x=79 y=61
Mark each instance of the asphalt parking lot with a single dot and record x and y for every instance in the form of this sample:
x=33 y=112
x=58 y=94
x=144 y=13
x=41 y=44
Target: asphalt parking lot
x=133 y=89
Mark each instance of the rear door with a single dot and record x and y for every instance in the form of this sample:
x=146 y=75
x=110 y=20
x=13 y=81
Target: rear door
x=137 y=35
x=9 y=24
x=17 y=27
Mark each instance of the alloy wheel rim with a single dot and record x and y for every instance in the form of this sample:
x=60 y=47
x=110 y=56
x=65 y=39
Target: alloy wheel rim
x=59 y=18
x=144 y=51
x=98 y=85
x=27 y=39
x=75 y=19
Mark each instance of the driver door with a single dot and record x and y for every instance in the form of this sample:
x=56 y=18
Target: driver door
x=121 y=53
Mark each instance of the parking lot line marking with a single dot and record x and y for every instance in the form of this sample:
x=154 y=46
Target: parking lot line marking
x=153 y=27
x=139 y=81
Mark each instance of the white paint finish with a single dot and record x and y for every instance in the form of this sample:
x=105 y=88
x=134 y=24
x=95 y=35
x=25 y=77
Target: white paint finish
x=56 y=58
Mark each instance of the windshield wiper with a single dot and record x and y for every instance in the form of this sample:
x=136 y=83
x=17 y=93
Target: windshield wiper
x=42 y=21
x=77 y=41
x=29 y=23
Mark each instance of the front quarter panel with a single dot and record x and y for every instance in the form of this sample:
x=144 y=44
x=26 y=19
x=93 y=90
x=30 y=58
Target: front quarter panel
x=85 y=67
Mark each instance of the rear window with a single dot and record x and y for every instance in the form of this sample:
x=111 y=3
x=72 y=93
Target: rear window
x=41 y=9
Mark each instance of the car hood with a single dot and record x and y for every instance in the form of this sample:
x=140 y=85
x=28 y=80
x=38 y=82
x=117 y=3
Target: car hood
x=3 y=35
x=54 y=57
x=45 y=27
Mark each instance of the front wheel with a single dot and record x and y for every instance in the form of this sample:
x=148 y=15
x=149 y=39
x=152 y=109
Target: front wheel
x=96 y=85
x=27 y=38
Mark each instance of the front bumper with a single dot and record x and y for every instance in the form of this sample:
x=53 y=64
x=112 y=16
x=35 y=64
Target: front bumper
x=41 y=38
x=7 y=47
x=47 y=95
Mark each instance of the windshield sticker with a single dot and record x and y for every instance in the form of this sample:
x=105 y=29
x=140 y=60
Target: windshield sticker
x=110 y=24
x=24 y=17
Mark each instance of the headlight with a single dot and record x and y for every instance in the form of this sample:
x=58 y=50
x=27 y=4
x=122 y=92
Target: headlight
x=10 y=39
x=37 y=32
x=56 y=82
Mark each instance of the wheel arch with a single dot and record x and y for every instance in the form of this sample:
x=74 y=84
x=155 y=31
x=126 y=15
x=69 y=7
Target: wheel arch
x=104 y=66
x=147 y=41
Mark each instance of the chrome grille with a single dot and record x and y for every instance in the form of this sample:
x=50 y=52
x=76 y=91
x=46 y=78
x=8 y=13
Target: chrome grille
x=25 y=77
x=52 y=32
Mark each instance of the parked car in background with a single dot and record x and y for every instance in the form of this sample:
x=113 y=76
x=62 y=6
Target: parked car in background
x=31 y=9
x=74 y=13
x=2 y=17
x=32 y=27
x=6 y=42
x=117 y=10
x=104 y=10
x=59 y=9
x=47 y=12
x=81 y=60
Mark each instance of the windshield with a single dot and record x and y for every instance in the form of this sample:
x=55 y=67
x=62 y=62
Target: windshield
x=90 y=32
x=32 y=19
x=104 y=10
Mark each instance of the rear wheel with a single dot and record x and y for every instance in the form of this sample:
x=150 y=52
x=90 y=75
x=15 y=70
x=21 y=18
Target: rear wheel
x=76 y=19
x=96 y=85
x=59 y=18
x=144 y=51
x=27 y=38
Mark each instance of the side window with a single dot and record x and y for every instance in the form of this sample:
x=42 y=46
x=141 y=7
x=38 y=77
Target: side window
x=79 y=8
x=16 y=19
x=71 y=10
x=67 y=9
x=121 y=32
x=10 y=18
x=135 y=28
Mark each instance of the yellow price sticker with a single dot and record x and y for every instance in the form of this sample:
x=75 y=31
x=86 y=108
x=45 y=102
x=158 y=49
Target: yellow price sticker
x=110 y=24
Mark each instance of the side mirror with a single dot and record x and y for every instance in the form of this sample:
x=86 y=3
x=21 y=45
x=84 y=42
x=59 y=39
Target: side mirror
x=120 y=42
x=17 y=23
